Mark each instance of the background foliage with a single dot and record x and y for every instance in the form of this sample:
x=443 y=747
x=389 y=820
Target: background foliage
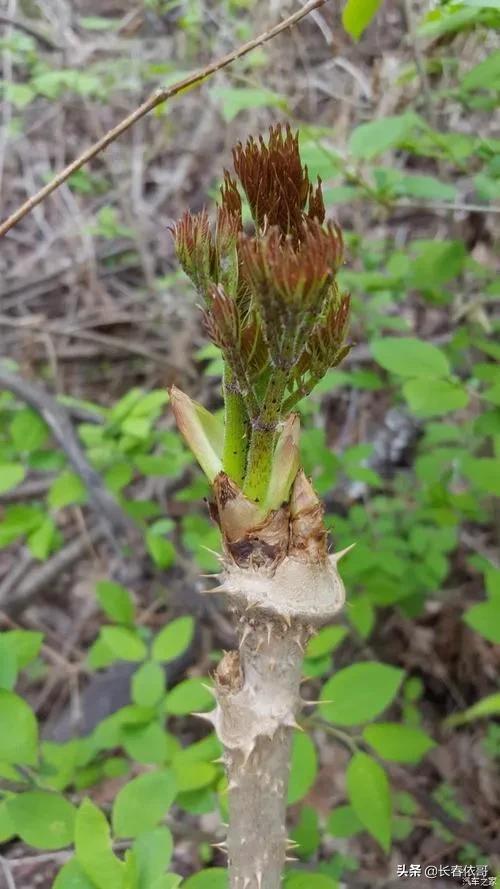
x=107 y=780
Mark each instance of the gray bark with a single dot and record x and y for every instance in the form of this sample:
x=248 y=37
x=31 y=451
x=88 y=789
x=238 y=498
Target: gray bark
x=258 y=700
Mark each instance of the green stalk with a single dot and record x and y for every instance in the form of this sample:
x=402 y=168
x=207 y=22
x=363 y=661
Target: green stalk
x=260 y=453
x=235 y=430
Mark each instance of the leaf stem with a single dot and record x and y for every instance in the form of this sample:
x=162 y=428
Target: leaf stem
x=260 y=453
x=235 y=430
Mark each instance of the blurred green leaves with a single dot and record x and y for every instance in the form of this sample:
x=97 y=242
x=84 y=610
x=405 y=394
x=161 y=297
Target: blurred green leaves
x=359 y=693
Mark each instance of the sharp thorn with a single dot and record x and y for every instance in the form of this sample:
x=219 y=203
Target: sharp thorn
x=313 y=703
x=208 y=717
x=246 y=632
x=212 y=552
x=336 y=557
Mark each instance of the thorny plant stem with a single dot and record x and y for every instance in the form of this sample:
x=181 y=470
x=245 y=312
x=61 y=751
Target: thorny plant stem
x=235 y=430
x=156 y=98
x=258 y=786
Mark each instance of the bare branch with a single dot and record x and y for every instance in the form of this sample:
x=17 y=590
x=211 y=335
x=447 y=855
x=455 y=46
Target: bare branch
x=157 y=98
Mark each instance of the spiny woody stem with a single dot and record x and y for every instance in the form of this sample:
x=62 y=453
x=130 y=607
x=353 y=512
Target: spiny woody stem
x=259 y=691
x=281 y=581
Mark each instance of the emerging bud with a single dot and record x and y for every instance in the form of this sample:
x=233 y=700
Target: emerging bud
x=290 y=283
x=203 y=432
x=286 y=463
x=276 y=184
x=195 y=249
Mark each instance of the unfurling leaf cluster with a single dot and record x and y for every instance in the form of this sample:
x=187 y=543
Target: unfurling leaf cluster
x=271 y=301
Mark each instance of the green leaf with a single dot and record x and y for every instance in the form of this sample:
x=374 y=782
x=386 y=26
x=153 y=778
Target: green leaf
x=66 y=490
x=174 y=639
x=410 y=357
x=191 y=775
x=11 y=475
x=28 y=431
x=426 y=187
x=93 y=848
x=432 y=400
x=25 y=645
x=99 y=655
x=20 y=94
x=72 y=876
x=116 y=601
x=96 y=23
x=8 y=664
x=326 y=641
x=485 y=75
x=42 y=819
x=151 y=464
x=343 y=822
x=189 y=696
x=297 y=880
x=397 y=742
x=357 y=15
x=304 y=767
x=435 y=263
x=118 y=476
x=168 y=881
x=488 y=706
x=18 y=744
x=148 y=743
x=306 y=833
x=125 y=643
x=18 y=520
x=150 y=405
x=7 y=830
x=161 y=550
x=369 y=795
x=361 y=615
x=360 y=692
x=485 y=619
x=236 y=99
x=153 y=851
x=484 y=473
x=370 y=139
x=143 y=802
x=148 y=684
x=41 y=541
x=215 y=878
